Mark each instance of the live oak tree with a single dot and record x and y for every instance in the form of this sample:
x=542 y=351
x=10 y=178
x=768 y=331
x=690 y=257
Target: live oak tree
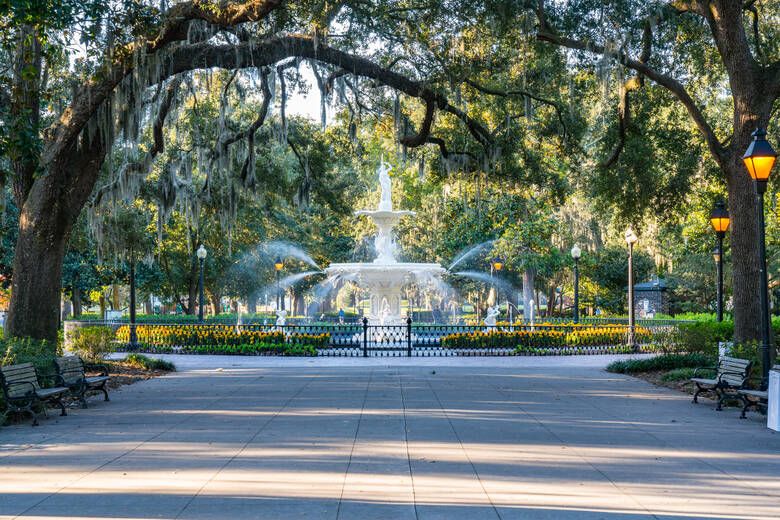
x=56 y=153
x=701 y=51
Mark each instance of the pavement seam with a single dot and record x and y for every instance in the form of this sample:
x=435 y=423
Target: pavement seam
x=354 y=442
x=406 y=441
x=116 y=458
x=576 y=451
x=247 y=443
x=463 y=448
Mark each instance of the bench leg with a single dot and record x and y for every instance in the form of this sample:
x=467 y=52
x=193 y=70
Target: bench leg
x=105 y=392
x=26 y=408
x=748 y=404
x=58 y=402
x=699 y=390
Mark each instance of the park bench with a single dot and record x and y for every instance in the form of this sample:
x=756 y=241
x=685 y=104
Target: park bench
x=755 y=398
x=22 y=389
x=73 y=371
x=730 y=375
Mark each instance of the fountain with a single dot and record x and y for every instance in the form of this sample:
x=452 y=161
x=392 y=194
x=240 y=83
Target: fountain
x=384 y=277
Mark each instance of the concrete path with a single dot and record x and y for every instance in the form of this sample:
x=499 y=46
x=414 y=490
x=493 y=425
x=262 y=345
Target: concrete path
x=492 y=438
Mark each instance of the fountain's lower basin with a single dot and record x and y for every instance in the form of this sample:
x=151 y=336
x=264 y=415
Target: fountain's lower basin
x=383 y=281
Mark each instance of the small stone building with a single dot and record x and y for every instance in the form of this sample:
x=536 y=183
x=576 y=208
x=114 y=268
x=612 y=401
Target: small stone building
x=650 y=298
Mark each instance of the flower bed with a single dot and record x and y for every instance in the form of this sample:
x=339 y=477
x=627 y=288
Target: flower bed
x=545 y=336
x=212 y=335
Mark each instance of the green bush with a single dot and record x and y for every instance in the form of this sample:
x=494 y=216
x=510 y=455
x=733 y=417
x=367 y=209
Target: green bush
x=93 y=343
x=703 y=336
x=141 y=361
x=663 y=362
x=24 y=350
x=678 y=374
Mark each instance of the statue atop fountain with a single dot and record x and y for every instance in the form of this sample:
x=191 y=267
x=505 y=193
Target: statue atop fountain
x=386 y=202
x=384 y=277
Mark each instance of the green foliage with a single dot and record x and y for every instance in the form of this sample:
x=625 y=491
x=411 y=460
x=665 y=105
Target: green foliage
x=23 y=350
x=141 y=361
x=662 y=362
x=678 y=374
x=703 y=336
x=254 y=349
x=93 y=343
x=607 y=270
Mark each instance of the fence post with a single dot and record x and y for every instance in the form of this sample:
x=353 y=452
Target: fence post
x=365 y=336
x=409 y=336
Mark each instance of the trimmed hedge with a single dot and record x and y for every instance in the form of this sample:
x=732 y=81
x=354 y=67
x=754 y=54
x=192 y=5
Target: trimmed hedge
x=662 y=362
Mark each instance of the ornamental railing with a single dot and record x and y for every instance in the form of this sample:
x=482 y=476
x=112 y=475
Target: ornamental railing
x=409 y=339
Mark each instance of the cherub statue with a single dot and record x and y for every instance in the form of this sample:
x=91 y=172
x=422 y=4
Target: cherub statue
x=281 y=317
x=492 y=314
x=385 y=313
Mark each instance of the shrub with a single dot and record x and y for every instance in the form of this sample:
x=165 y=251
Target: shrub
x=93 y=343
x=678 y=374
x=703 y=335
x=141 y=361
x=24 y=350
x=663 y=362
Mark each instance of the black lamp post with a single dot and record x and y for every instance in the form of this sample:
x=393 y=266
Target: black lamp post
x=720 y=222
x=201 y=253
x=498 y=263
x=133 y=343
x=576 y=252
x=631 y=238
x=759 y=159
x=279 y=265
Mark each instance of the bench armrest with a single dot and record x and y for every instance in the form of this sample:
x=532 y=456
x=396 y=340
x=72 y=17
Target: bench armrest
x=56 y=377
x=17 y=383
x=762 y=385
x=696 y=370
x=726 y=372
x=103 y=369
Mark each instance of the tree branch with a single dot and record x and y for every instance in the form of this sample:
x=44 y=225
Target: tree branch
x=158 y=142
x=61 y=134
x=521 y=92
x=545 y=33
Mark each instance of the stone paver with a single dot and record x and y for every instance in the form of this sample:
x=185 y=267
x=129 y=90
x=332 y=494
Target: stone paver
x=492 y=438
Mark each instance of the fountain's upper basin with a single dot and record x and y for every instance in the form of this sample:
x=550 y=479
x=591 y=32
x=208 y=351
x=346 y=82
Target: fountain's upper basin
x=385 y=214
x=385 y=272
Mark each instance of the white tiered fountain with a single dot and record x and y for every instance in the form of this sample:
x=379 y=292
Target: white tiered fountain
x=385 y=276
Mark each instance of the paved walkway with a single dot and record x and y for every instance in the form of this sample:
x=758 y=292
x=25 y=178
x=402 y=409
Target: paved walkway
x=517 y=438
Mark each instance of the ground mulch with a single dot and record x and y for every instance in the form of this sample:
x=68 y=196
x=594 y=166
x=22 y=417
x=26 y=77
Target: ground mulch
x=123 y=374
x=684 y=386
x=654 y=377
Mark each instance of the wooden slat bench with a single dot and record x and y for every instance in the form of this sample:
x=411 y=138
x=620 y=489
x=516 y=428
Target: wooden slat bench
x=73 y=371
x=755 y=397
x=22 y=389
x=730 y=375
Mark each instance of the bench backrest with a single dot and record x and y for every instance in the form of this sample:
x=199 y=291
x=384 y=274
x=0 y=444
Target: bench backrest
x=733 y=370
x=71 y=368
x=24 y=372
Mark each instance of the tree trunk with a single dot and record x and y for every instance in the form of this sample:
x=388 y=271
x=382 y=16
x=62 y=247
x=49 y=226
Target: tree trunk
x=115 y=296
x=216 y=304
x=251 y=304
x=528 y=292
x=76 y=301
x=148 y=309
x=45 y=222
